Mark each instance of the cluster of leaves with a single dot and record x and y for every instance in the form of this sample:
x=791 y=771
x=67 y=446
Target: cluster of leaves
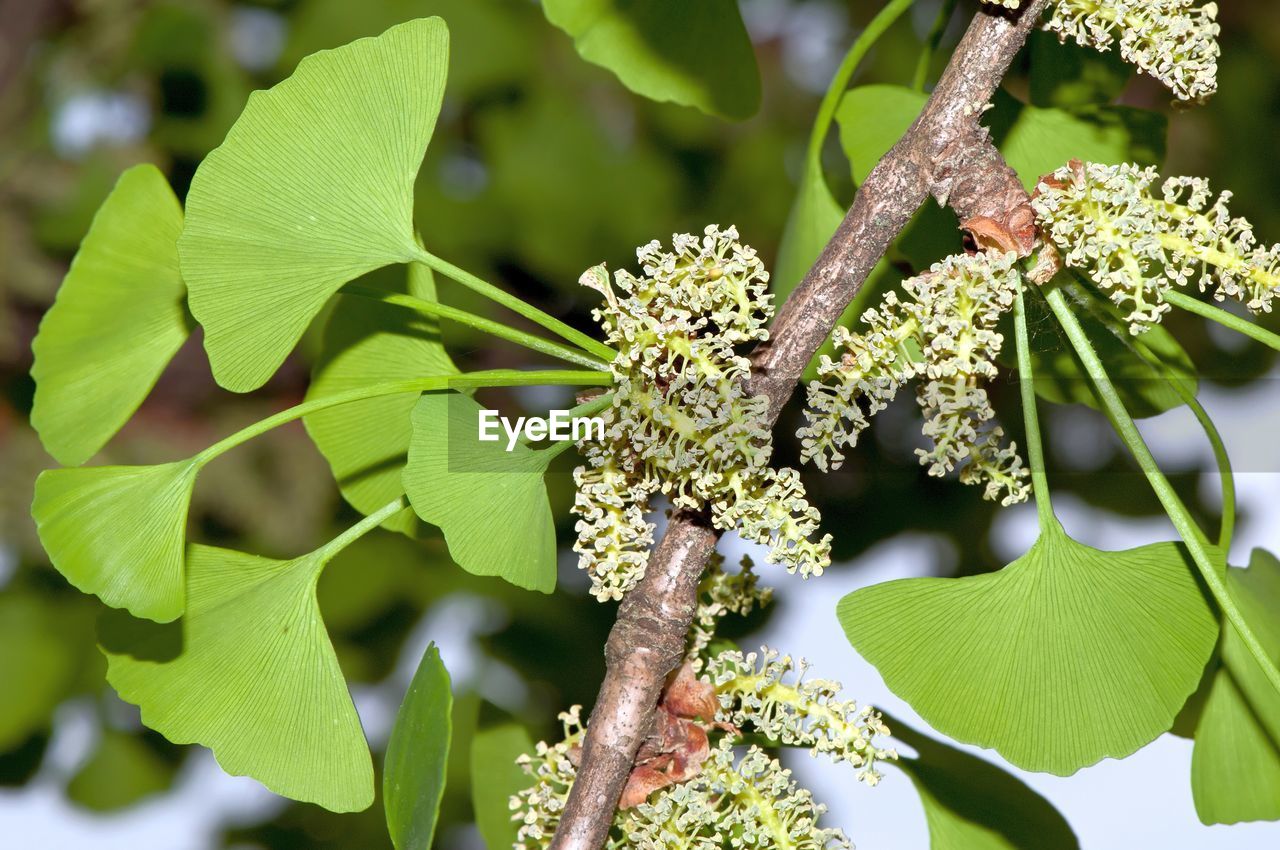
x=262 y=258
x=252 y=220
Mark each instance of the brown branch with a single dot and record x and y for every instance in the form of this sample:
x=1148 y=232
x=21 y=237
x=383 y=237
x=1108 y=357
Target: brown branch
x=945 y=153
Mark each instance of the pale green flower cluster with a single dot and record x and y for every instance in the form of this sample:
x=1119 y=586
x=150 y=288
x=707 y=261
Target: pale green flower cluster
x=1172 y=40
x=681 y=422
x=721 y=593
x=755 y=693
x=746 y=803
x=732 y=804
x=1136 y=243
x=553 y=767
x=725 y=803
x=944 y=334
x=1008 y=4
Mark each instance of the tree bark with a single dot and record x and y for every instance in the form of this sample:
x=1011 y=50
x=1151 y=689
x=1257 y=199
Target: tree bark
x=945 y=153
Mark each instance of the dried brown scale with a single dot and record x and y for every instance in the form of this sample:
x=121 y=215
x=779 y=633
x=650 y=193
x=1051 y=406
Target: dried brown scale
x=647 y=640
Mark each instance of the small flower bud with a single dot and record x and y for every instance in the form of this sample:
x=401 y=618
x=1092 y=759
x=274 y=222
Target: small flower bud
x=1172 y=40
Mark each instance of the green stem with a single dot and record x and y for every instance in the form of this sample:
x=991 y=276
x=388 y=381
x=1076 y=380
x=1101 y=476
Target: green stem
x=1220 y=455
x=1222 y=317
x=361 y=528
x=931 y=43
x=884 y=19
x=513 y=303
x=1187 y=529
x=587 y=408
x=1031 y=419
x=1227 y=529
x=494 y=378
x=1144 y=352
x=462 y=317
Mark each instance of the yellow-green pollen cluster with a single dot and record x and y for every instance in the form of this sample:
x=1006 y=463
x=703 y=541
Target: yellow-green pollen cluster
x=943 y=333
x=737 y=799
x=1135 y=243
x=681 y=422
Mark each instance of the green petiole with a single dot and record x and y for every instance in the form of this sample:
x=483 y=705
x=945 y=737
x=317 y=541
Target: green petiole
x=1193 y=305
x=1223 y=461
x=493 y=378
x=1220 y=456
x=931 y=42
x=884 y=19
x=1177 y=512
x=1031 y=419
x=506 y=299
x=587 y=408
x=363 y=527
x=462 y=317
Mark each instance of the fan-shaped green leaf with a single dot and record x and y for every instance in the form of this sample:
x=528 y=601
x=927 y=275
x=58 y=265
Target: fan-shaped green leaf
x=1066 y=656
x=117 y=321
x=36 y=665
x=250 y=673
x=696 y=54
x=872 y=119
x=312 y=188
x=117 y=532
x=1235 y=767
x=122 y=771
x=813 y=219
x=1038 y=141
x=971 y=804
x=414 y=774
x=495 y=778
x=366 y=442
x=491 y=504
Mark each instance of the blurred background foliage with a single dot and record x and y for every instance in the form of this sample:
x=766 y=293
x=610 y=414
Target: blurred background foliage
x=541 y=166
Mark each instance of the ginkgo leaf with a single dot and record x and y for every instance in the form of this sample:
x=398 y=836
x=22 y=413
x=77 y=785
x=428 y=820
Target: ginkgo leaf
x=1038 y=141
x=695 y=54
x=119 y=318
x=1235 y=766
x=1066 y=656
x=971 y=804
x=313 y=187
x=122 y=771
x=251 y=674
x=814 y=217
x=417 y=754
x=37 y=663
x=491 y=504
x=367 y=442
x=872 y=119
x=495 y=778
x=118 y=532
